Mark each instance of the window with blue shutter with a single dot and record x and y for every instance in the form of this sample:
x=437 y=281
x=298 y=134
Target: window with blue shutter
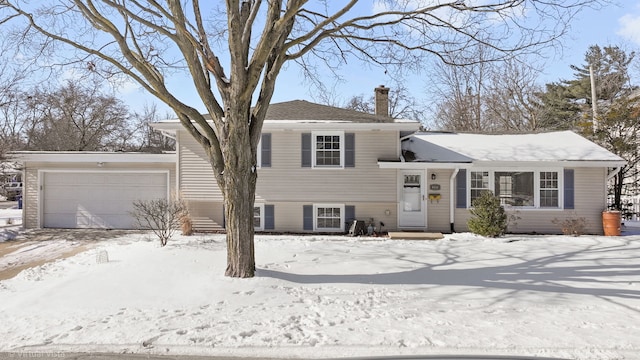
x=461 y=189
x=569 y=190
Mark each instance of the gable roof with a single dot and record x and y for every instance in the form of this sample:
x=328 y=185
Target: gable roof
x=305 y=110
x=301 y=114
x=557 y=146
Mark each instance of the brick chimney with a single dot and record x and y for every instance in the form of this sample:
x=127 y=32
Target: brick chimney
x=382 y=100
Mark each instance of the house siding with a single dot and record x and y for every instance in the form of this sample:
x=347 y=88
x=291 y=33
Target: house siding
x=196 y=178
x=589 y=198
x=438 y=211
x=288 y=186
x=32 y=182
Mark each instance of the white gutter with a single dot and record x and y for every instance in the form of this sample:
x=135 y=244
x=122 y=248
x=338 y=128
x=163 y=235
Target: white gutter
x=452 y=189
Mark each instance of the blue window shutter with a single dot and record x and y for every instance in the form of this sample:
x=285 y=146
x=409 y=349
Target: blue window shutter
x=349 y=150
x=461 y=189
x=269 y=217
x=265 y=156
x=569 y=190
x=306 y=150
x=349 y=213
x=307 y=217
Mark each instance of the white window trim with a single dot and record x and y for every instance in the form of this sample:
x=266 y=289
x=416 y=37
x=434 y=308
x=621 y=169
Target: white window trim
x=536 y=186
x=315 y=217
x=261 y=227
x=259 y=154
x=314 y=136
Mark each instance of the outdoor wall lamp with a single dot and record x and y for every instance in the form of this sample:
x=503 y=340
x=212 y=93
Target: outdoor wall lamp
x=433 y=176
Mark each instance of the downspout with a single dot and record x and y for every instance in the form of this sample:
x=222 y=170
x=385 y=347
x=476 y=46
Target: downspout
x=614 y=173
x=452 y=207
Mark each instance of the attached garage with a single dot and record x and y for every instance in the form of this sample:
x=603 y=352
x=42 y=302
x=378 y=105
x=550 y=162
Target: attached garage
x=97 y=200
x=92 y=190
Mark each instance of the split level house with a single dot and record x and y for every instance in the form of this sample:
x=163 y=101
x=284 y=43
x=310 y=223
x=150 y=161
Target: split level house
x=320 y=167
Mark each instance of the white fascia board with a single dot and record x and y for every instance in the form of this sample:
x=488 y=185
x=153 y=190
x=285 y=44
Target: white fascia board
x=87 y=157
x=498 y=165
x=422 y=165
x=547 y=164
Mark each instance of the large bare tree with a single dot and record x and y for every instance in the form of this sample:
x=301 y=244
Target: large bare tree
x=234 y=50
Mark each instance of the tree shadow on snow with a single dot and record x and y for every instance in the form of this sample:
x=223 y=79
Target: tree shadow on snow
x=609 y=272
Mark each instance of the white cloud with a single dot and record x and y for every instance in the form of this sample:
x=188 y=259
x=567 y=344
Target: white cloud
x=630 y=27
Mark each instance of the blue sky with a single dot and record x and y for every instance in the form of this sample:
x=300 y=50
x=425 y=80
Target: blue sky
x=613 y=25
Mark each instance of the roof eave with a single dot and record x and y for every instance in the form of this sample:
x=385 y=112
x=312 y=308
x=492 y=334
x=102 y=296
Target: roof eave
x=276 y=125
x=88 y=157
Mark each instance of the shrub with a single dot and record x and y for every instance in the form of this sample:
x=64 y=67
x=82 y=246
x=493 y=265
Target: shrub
x=575 y=226
x=162 y=216
x=488 y=216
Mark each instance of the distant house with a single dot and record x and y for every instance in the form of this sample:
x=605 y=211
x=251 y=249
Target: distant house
x=321 y=166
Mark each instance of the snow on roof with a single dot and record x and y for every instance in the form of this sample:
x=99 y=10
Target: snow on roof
x=551 y=146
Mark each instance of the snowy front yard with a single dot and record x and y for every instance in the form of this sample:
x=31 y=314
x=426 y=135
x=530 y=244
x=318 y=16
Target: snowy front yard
x=319 y=296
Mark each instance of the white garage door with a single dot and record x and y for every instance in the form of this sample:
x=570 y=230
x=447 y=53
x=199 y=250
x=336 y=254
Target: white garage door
x=97 y=200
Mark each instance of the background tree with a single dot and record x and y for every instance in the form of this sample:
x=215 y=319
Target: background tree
x=619 y=130
x=461 y=90
x=75 y=118
x=616 y=123
x=234 y=67
x=402 y=104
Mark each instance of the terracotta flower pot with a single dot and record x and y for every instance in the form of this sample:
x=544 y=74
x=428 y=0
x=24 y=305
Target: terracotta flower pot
x=611 y=223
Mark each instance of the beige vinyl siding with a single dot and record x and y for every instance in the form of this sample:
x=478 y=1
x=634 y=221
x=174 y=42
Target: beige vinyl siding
x=590 y=193
x=438 y=212
x=288 y=186
x=32 y=183
x=288 y=215
x=195 y=174
x=287 y=180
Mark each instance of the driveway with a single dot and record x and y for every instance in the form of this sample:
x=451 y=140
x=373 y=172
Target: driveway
x=37 y=247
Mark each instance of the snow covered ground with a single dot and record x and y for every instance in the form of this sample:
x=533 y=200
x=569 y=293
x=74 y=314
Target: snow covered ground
x=322 y=296
x=10 y=223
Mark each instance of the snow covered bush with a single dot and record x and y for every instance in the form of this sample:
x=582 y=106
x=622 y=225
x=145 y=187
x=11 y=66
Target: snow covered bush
x=488 y=216
x=162 y=216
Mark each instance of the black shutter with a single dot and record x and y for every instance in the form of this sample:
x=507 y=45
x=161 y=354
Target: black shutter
x=349 y=150
x=306 y=150
x=265 y=156
x=569 y=190
x=461 y=189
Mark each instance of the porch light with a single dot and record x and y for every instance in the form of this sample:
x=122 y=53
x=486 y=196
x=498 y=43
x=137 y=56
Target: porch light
x=433 y=176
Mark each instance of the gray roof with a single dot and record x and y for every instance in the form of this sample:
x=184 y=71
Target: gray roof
x=305 y=110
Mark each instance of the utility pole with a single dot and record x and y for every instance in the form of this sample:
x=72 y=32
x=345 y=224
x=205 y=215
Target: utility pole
x=594 y=99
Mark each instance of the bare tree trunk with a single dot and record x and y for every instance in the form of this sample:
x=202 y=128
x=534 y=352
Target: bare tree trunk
x=238 y=185
x=238 y=201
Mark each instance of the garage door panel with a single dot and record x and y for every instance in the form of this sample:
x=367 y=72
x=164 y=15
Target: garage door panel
x=97 y=200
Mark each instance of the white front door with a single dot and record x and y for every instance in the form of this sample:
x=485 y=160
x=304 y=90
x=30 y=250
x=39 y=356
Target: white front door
x=412 y=204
